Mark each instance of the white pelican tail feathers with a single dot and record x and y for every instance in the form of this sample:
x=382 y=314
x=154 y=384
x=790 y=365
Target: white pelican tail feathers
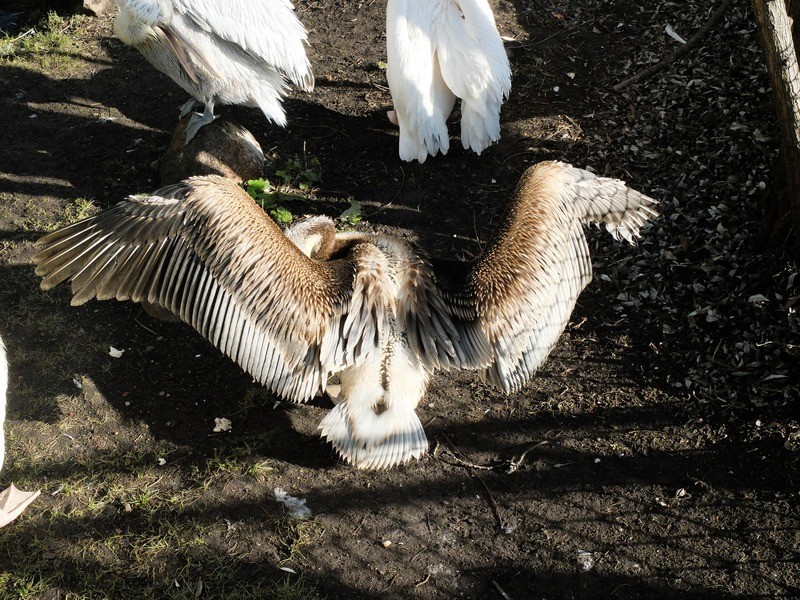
x=437 y=51
x=406 y=441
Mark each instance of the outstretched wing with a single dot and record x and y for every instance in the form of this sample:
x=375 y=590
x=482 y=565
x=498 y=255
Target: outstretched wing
x=205 y=251
x=523 y=288
x=266 y=29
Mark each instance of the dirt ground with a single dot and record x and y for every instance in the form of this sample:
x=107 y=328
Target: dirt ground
x=654 y=456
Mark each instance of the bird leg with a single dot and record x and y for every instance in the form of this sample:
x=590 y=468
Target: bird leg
x=188 y=107
x=199 y=120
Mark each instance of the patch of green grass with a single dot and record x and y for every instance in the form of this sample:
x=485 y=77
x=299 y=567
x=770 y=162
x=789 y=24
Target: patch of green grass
x=222 y=463
x=21 y=586
x=43 y=220
x=50 y=46
x=259 y=468
x=120 y=527
x=296 y=535
x=80 y=208
x=226 y=464
x=294 y=589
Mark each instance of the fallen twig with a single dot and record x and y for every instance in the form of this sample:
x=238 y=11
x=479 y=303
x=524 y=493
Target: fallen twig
x=556 y=34
x=499 y=589
x=693 y=42
x=516 y=464
x=493 y=504
x=459 y=457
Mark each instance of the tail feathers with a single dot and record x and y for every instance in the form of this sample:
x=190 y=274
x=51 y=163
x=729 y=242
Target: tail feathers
x=609 y=201
x=407 y=441
x=479 y=129
x=267 y=95
x=429 y=139
x=476 y=68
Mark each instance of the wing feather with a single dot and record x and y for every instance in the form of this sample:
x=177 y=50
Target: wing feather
x=206 y=252
x=266 y=29
x=522 y=289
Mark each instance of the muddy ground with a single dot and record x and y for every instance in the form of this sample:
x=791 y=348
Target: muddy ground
x=654 y=456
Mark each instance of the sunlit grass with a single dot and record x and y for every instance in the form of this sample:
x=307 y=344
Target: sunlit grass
x=50 y=46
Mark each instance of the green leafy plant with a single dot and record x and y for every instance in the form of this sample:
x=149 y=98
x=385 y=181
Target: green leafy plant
x=301 y=173
x=270 y=199
x=351 y=215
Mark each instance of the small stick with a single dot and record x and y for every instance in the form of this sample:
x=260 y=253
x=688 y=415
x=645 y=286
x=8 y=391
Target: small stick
x=493 y=503
x=22 y=35
x=693 y=42
x=499 y=589
x=458 y=456
x=556 y=34
x=516 y=464
x=143 y=326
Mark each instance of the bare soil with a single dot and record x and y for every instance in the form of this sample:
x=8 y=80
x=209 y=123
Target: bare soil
x=654 y=456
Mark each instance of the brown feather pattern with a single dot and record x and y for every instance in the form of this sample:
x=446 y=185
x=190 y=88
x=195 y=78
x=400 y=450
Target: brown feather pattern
x=205 y=251
x=293 y=308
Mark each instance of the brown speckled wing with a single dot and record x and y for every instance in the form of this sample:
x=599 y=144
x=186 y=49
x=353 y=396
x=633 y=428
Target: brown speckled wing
x=522 y=289
x=205 y=251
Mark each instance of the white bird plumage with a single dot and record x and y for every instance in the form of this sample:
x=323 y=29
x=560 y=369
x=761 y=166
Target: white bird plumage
x=437 y=51
x=3 y=393
x=13 y=501
x=293 y=309
x=231 y=52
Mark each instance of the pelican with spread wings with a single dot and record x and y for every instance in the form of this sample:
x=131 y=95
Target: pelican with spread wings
x=294 y=308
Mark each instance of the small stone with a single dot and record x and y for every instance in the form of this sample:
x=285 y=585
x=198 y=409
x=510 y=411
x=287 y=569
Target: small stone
x=220 y=148
x=97 y=8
